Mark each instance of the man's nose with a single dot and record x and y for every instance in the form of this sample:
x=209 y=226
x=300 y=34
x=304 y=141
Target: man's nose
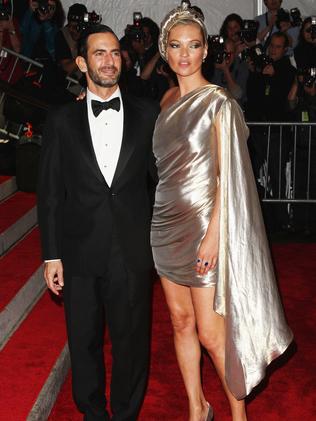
x=108 y=59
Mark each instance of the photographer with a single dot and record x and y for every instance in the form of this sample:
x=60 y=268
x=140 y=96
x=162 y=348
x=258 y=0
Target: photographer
x=269 y=85
x=157 y=78
x=10 y=38
x=305 y=52
x=302 y=105
x=273 y=21
x=39 y=27
x=230 y=30
x=129 y=82
x=66 y=41
x=151 y=32
x=231 y=72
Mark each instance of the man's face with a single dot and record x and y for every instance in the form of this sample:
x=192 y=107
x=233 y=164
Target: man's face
x=147 y=36
x=73 y=30
x=47 y=16
x=273 y=5
x=138 y=46
x=277 y=49
x=103 y=60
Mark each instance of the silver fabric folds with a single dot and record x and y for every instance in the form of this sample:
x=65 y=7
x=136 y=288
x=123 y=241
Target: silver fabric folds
x=185 y=144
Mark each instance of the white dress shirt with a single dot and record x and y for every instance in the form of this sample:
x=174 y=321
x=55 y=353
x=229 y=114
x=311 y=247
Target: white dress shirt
x=106 y=133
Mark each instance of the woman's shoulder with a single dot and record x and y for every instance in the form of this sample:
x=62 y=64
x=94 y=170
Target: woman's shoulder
x=218 y=93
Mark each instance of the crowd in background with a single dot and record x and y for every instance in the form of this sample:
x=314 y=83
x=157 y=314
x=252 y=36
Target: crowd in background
x=269 y=68
x=268 y=65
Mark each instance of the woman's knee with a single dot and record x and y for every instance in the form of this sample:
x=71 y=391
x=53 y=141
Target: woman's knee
x=183 y=321
x=213 y=342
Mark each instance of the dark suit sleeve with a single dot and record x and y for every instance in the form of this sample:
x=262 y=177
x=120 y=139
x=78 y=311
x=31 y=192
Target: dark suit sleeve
x=51 y=190
x=152 y=168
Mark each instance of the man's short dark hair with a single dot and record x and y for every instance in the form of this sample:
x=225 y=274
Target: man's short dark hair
x=76 y=11
x=281 y=35
x=93 y=29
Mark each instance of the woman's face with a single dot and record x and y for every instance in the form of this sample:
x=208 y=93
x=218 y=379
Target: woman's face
x=186 y=49
x=233 y=28
x=307 y=32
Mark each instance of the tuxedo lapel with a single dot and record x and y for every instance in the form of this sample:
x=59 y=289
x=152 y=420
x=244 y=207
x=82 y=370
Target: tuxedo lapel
x=85 y=140
x=128 y=141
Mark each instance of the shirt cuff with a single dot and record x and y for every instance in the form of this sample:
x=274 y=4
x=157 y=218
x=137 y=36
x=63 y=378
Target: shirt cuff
x=52 y=260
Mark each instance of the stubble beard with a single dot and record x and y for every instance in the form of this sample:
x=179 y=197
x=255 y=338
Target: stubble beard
x=104 y=82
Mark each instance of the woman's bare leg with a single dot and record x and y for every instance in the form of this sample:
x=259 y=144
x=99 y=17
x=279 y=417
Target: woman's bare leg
x=211 y=331
x=187 y=346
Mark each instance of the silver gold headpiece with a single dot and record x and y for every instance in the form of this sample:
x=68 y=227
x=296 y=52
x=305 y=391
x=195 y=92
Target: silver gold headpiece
x=183 y=13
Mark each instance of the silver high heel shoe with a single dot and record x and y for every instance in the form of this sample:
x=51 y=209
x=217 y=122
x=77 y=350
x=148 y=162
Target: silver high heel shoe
x=210 y=413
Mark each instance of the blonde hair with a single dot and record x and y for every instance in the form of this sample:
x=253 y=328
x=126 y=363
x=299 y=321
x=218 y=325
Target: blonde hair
x=183 y=15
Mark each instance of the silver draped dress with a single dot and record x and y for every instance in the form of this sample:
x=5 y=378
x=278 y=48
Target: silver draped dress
x=186 y=140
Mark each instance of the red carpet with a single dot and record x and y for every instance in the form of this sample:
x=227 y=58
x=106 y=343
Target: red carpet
x=12 y=275
x=28 y=357
x=289 y=392
x=14 y=208
x=4 y=178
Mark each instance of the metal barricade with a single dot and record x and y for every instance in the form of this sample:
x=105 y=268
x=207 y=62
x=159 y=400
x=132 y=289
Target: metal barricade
x=31 y=68
x=284 y=161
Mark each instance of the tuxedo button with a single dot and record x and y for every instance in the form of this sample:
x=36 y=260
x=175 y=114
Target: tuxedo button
x=113 y=194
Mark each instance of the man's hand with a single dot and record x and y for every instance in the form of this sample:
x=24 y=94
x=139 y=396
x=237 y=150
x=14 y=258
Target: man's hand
x=7 y=24
x=222 y=66
x=53 y=274
x=310 y=90
x=268 y=70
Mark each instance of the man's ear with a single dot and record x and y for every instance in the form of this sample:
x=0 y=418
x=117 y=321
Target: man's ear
x=81 y=63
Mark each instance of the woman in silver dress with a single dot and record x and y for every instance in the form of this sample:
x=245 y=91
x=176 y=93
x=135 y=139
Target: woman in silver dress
x=208 y=238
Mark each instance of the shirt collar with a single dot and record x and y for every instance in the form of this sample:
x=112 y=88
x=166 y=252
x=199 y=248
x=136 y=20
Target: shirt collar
x=91 y=96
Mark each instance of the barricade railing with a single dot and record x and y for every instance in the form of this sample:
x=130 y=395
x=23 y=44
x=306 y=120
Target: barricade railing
x=28 y=63
x=32 y=68
x=284 y=161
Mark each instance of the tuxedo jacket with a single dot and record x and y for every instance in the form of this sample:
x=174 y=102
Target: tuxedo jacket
x=77 y=210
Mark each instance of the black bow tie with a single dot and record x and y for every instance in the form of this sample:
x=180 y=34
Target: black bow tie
x=98 y=106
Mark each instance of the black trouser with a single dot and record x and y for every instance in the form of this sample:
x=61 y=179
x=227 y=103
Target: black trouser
x=122 y=299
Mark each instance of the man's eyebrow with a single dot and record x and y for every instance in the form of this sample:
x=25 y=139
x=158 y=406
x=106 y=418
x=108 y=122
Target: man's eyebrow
x=103 y=50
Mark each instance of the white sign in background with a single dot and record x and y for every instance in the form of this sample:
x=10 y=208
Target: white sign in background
x=118 y=13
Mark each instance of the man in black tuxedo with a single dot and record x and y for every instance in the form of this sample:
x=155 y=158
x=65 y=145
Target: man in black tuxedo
x=94 y=216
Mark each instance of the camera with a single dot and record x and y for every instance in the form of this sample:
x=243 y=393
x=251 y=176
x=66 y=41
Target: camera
x=293 y=16
x=87 y=20
x=296 y=16
x=313 y=28
x=217 y=49
x=5 y=9
x=257 y=56
x=249 y=31
x=309 y=76
x=134 y=32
